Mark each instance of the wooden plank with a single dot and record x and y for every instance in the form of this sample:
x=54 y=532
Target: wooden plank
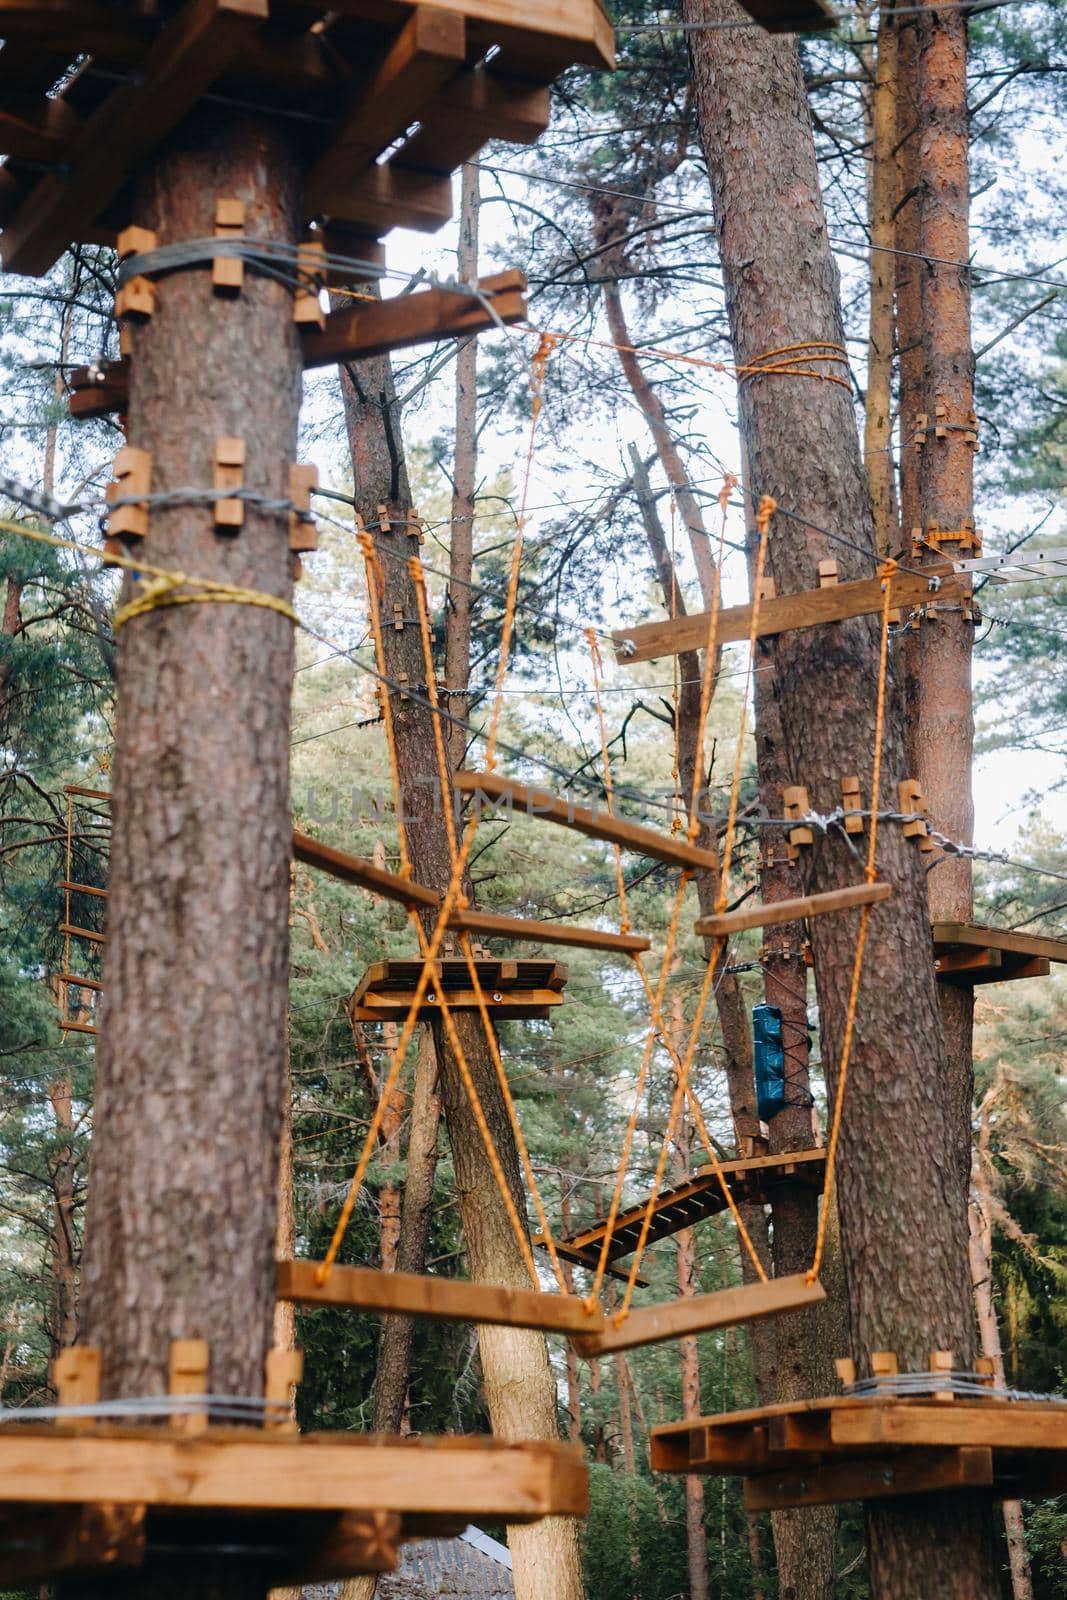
x=560 y=33
x=597 y=825
x=468 y=112
x=350 y=335
x=413 y=319
x=71 y=27
x=429 y=50
x=518 y=1005
x=791 y=16
x=180 y=66
x=810 y=609
x=344 y=1472
x=808 y=905
x=79 y=982
x=35 y=128
x=492 y=926
x=354 y=869
x=358 y=1542
x=441 y=1299
x=1005 y=939
x=585 y=1258
x=1007 y=1424
x=83 y=888
x=968 y=967
x=748 y=1303
x=83 y=933
x=383 y=197
x=880 y=1478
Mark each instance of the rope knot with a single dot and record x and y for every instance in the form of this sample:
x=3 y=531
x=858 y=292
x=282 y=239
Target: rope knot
x=887 y=569
x=767 y=507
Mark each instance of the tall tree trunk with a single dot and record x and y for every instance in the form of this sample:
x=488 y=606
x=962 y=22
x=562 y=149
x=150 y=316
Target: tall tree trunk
x=64 y=1318
x=183 y=1188
x=878 y=416
x=574 y=1382
x=903 y=1220
x=519 y=1384
x=464 y=474
x=945 y=721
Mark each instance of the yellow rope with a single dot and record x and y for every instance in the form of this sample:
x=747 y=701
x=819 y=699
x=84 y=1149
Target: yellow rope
x=175 y=590
x=871 y=872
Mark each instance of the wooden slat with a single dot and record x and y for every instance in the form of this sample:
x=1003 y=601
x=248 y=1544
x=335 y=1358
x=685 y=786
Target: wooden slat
x=36 y=129
x=472 y=1478
x=517 y=1005
x=179 y=67
x=354 y=869
x=467 y=112
x=1020 y=1425
x=586 y=1258
x=880 y=1478
x=808 y=905
x=492 y=926
x=79 y=982
x=558 y=33
x=810 y=609
x=83 y=888
x=791 y=16
x=699 y=1313
x=597 y=825
x=429 y=50
x=441 y=1299
x=350 y=335
x=414 y=319
x=1024 y=944
x=82 y=933
x=383 y=197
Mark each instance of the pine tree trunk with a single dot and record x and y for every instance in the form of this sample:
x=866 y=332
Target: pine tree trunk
x=903 y=1219
x=696 y=1535
x=64 y=1319
x=191 y=1054
x=464 y=472
x=518 y=1380
x=878 y=417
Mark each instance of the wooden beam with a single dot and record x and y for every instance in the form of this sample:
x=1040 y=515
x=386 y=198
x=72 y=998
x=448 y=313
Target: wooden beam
x=879 y=1478
x=72 y=27
x=557 y=33
x=36 y=128
x=441 y=1299
x=186 y=58
x=358 y=1542
x=597 y=825
x=429 y=49
x=468 y=112
x=491 y=926
x=383 y=197
x=354 y=869
x=651 y=1324
x=238 y=1470
x=1018 y=1425
x=350 y=335
x=515 y=1005
x=808 y=905
x=414 y=319
x=1005 y=939
x=39 y=1546
x=811 y=609
x=791 y=16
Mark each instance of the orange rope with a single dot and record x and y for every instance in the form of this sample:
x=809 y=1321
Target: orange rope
x=816 y=350
x=453 y=894
x=871 y=872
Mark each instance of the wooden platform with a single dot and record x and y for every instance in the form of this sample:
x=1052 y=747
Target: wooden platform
x=817 y=1452
x=513 y=990
x=701 y=1196
x=328 y=1505
x=791 y=16
x=647 y=641
x=968 y=954
x=385 y=98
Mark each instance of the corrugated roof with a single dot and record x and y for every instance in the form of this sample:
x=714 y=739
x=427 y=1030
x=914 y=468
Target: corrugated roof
x=472 y=1567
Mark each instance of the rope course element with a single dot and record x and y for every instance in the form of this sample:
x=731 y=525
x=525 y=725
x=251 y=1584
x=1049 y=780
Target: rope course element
x=871 y=873
x=786 y=359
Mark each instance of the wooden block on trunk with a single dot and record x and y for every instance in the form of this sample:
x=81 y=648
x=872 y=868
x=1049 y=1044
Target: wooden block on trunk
x=76 y=1379
x=131 y=475
x=228 y=272
x=190 y=1360
x=852 y=800
x=229 y=473
x=136 y=297
x=303 y=535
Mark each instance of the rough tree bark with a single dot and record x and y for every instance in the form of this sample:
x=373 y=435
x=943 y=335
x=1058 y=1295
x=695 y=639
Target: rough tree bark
x=191 y=1054
x=903 y=1218
x=878 y=412
x=944 y=744
x=519 y=1384
x=464 y=470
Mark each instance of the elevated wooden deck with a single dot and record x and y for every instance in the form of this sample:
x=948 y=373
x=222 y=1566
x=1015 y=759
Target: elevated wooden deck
x=513 y=990
x=699 y=1197
x=77 y=1499
x=817 y=1452
x=967 y=954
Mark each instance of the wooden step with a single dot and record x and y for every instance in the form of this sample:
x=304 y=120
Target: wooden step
x=440 y=1299
x=966 y=954
x=808 y=905
x=702 y=1312
x=811 y=609
x=596 y=824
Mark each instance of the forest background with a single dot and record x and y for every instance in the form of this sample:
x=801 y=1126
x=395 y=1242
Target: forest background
x=624 y=146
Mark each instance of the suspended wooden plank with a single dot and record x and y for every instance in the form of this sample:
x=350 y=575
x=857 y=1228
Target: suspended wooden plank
x=440 y=1299
x=354 y=869
x=649 y=640
x=492 y=926
x=510 y=990
x=808 y=905
x=791 y=16
x=367 y=329
x=748 y=1179
x=189 y=54
x=238 y=1469
x=701 y=1312
x=596 y=824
